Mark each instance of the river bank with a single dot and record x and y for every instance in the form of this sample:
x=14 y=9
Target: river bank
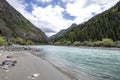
x=84 y=63
x=20 y=64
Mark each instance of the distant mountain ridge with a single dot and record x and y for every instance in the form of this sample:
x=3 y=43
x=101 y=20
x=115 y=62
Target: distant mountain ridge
x=62 y=32
x=104 y=25
x=14 y=25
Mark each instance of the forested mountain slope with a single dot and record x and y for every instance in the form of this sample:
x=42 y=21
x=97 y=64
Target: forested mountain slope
x=104 y=25
x=62 y=32
x=15 y=28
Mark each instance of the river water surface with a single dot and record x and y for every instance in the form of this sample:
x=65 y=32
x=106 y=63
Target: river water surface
x=84 y=63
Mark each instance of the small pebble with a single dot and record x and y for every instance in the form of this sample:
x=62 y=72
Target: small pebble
x=35 y=75
x=9 y=56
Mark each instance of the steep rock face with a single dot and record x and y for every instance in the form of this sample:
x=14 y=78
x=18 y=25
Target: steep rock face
x=104 y=25
x=13 y=24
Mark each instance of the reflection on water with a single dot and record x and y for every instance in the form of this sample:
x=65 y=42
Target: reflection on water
x=84 y=63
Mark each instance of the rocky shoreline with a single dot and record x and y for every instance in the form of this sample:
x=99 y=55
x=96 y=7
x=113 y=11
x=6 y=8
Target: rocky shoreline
x=17 y=63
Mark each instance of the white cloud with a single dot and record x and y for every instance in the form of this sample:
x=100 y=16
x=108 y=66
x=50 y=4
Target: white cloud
x=44 y=1
x=50 y=19
x=44 y=18
x=82 y=9
x=68 y=1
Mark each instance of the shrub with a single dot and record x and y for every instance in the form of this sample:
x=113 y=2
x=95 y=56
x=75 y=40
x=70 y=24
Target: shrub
x=20 y=40
x=77 y=43
x=29 y=42
x=57 y=43
x=67 y=43
x=107 y=42
x=91 y=44
x=97 y=43
x=118 y=45
x=85 y=43
x=2 y=41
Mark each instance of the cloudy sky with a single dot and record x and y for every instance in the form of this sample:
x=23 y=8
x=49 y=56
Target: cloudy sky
x=53 y=15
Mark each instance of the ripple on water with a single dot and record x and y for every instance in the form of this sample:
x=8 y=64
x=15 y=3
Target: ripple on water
x=86 y=63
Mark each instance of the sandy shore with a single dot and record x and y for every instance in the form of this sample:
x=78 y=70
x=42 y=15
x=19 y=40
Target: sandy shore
x=20 y=64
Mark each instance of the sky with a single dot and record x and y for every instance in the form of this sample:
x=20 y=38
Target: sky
x=51 y=16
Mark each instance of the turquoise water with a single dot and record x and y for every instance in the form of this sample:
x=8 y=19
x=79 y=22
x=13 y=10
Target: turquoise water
x=84 y=63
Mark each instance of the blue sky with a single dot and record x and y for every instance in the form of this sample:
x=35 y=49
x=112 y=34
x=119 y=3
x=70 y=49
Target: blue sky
x=53 y=15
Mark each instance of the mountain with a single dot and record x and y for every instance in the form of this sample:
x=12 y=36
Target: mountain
x=62 y=32
x=14 y=27
x=104 y=25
